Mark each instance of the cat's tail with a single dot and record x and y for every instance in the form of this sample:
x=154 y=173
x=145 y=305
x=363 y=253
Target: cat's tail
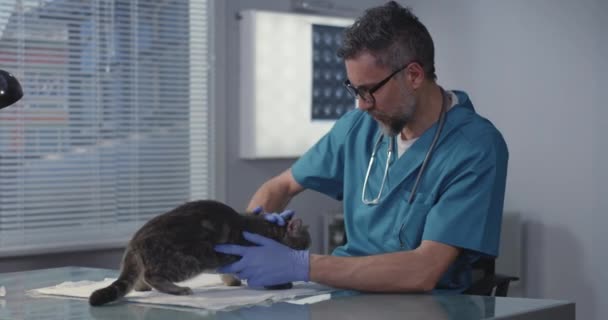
x=121 y=286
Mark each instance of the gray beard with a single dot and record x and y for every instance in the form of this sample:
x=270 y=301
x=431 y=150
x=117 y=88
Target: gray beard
x=394 y=127
x=396 y=124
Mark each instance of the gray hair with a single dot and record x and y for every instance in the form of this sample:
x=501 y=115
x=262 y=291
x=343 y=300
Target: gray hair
x=394 y=35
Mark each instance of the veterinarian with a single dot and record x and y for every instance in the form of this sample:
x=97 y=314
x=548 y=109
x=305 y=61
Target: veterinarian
x=420 y=173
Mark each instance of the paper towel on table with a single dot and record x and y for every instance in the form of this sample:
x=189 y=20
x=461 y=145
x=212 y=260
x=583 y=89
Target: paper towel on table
x=208 y=293
x=2 y=291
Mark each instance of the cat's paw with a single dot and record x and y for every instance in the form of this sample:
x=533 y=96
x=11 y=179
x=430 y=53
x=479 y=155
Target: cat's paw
x=282 y=286
x=141 y=286
x=230 y=280
x=142 y=289
x=185 y=291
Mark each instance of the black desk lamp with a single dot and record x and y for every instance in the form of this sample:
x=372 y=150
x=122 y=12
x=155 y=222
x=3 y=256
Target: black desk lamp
x=10 y=89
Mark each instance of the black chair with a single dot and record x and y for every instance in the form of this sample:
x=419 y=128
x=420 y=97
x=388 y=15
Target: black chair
x=486 y=282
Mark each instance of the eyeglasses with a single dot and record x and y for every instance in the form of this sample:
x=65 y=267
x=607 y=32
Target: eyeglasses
x=367 y=95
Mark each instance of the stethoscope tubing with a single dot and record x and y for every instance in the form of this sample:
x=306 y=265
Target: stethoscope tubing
x=425 y=162
x=431 y=150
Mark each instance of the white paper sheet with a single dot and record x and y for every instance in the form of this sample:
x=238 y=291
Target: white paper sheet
x=208 y=293
x=311 y=299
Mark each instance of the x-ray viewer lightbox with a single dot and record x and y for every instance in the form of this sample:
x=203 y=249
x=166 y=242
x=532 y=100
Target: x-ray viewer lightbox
x=291 y=89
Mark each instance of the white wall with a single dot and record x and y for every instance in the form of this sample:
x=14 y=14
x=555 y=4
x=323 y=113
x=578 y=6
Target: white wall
x=537 y=69
x=243 y=177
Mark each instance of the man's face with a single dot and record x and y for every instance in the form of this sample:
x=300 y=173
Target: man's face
x=393 y=104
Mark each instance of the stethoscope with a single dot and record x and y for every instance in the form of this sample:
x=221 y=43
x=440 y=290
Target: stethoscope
x=429 y=153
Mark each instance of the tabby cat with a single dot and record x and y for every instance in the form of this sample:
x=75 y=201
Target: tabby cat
x=178 y=245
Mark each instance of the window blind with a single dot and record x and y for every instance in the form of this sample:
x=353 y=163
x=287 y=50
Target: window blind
x=113 y=127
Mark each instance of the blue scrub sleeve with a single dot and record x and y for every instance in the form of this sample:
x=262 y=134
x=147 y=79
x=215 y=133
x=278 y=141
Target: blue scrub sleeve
x=321 y=168
x=469 y=212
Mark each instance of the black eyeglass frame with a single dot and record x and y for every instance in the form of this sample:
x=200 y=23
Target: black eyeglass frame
x=361 y=93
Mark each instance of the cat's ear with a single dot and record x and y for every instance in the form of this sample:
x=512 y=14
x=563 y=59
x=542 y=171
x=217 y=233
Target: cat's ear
x=294 y=225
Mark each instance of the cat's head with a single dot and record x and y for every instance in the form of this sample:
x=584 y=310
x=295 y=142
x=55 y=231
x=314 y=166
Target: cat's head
x=296 y=236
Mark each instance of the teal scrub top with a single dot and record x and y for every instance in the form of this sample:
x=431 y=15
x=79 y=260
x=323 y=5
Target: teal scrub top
x=459 y=200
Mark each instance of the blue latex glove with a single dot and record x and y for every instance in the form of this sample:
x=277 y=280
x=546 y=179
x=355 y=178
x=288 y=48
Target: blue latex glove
x=269 y=263
x=276 y=218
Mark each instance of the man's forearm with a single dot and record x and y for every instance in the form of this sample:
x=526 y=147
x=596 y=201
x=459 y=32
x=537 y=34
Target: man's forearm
x=271 y=197
x=394 y=272
x=275 y=194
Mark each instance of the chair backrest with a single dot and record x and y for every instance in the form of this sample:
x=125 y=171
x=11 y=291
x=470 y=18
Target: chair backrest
x=485 y=280
x=484 y=267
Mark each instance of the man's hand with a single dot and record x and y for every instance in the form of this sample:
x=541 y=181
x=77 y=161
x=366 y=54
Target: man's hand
x=269 y=263
x=276 y=218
